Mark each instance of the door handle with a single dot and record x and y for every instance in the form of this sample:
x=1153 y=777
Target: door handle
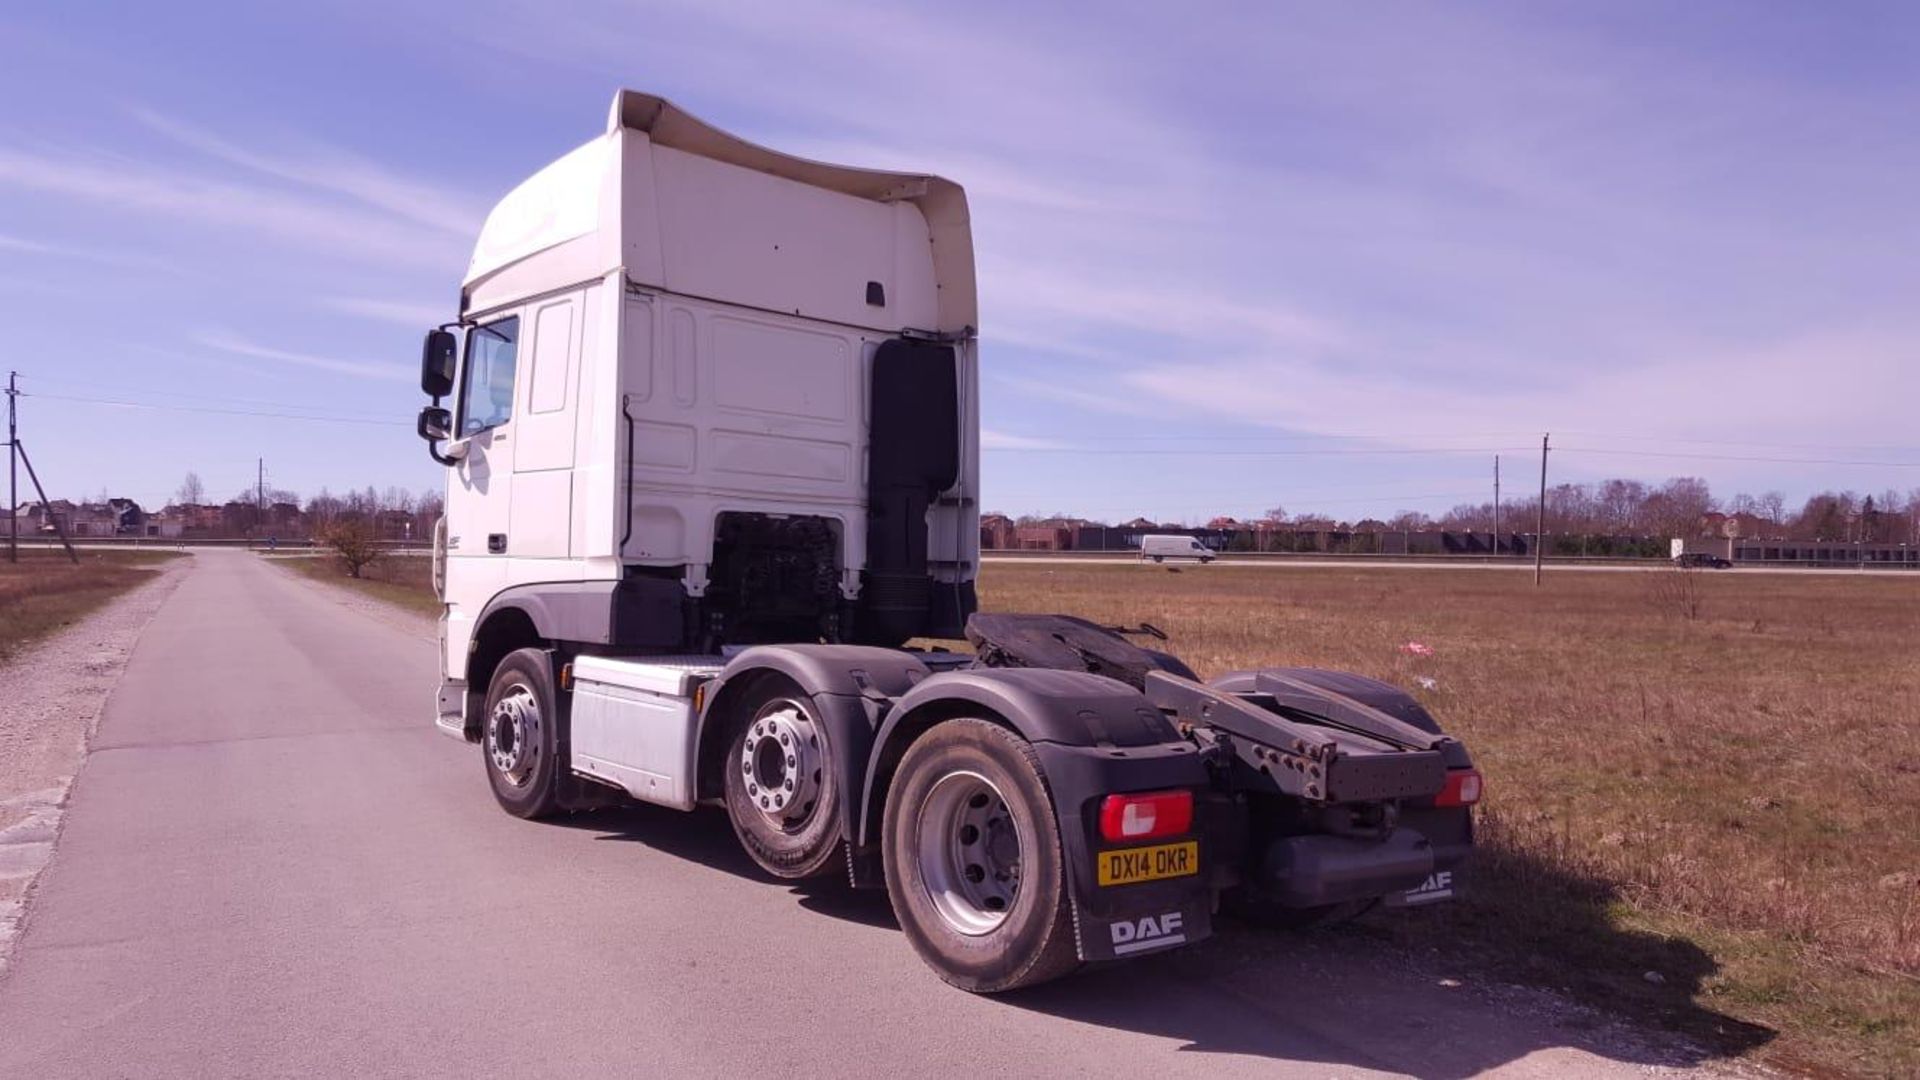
x=496 y=543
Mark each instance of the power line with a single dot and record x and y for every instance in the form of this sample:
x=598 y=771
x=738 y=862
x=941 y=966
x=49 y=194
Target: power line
x=1228 y=452
x=1599 y=451
x=148 y=391
x=217 y=411
x=1737 y=442
x=1310 y=503
x=1303 y=436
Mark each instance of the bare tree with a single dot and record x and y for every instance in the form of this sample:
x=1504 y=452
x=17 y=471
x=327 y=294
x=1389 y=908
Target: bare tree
x=1773 y=507
x=354 y=541
x=192 y=492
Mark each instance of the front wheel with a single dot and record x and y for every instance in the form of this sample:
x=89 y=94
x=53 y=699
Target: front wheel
x=520 y=742
x=973 y=861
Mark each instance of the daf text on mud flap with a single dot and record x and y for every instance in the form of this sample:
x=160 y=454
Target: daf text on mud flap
x=1152 y=932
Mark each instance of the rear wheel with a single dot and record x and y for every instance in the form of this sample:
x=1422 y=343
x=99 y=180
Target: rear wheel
x=782 y=791
x=519 y=740
x=973 y=860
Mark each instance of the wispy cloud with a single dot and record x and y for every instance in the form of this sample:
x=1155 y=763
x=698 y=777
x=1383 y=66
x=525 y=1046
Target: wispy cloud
x=1757 y=392
x=229 y=342
x=415 y=316
x=133 y=260
x=246 y=211
x=991 y=439
x=335 y=171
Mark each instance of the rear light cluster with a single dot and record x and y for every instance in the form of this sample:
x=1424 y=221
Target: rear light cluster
x=1463 y=788
x=1146 y=816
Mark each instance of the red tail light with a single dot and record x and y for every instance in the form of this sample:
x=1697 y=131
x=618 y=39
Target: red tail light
x=1146 y=817
x=1463 y=788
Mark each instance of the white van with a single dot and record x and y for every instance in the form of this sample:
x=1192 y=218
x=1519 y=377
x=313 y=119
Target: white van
x=1162 y=548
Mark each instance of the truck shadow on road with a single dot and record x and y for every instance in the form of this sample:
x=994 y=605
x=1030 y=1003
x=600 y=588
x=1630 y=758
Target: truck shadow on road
x=705 y=837
x=1407 y=992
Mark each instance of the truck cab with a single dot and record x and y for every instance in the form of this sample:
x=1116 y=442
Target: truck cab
x=705 y=394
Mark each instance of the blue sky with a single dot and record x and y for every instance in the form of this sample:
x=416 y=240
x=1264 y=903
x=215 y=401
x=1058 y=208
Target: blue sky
x=1331 y=257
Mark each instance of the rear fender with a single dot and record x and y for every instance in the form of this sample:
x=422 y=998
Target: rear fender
x=1094 y=736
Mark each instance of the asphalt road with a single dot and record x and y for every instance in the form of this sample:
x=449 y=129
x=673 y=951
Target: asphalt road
x=273 y=865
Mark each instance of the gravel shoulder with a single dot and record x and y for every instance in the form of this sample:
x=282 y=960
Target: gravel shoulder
x=400 y=618
x=54 y=694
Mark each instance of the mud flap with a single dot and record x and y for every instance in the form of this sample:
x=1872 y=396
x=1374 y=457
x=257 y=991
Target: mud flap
x=1114 y=922
x=1120 y=936
x=1440 y=886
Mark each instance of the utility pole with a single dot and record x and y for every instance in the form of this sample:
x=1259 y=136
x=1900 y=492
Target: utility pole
x=17 y=456
x=13 y=472
x=260 y=494
x=1540 y=516
x=1496 y=504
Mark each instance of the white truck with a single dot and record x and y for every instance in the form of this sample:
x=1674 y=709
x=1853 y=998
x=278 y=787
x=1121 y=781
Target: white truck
x=712 y=462
x=1160 y=548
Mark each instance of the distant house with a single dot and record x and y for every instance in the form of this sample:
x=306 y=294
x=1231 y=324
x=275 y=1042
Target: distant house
x=1043 y=537
x=128 y=518
x=48 y=517
x=996 y=531
x=167 y=524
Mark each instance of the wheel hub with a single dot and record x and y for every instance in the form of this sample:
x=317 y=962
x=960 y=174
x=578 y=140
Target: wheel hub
x=513 y=735
x=781 y=763
x=968 y=852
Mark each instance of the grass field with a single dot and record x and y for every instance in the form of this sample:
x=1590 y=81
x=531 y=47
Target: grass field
x=1703 y=796
x=44 y=591
x=404 y=580
x=1703 y=791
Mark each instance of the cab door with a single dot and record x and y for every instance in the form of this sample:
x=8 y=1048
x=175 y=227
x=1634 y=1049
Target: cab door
x=480 y=498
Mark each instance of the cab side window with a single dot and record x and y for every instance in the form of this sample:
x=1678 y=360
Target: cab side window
x=486 y=398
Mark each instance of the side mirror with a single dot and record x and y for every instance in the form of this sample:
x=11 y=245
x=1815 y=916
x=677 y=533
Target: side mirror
x=435 y=424
x=438 y=357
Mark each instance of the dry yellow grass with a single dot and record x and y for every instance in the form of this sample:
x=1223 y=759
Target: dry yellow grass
x=1729 y=801
x=44 y=591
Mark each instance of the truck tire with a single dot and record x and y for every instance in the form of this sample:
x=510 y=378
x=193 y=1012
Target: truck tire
x=782 y=790
x=973 y=860
x=519 y=736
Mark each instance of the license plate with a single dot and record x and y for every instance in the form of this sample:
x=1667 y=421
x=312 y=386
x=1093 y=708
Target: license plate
x=1130 y=865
